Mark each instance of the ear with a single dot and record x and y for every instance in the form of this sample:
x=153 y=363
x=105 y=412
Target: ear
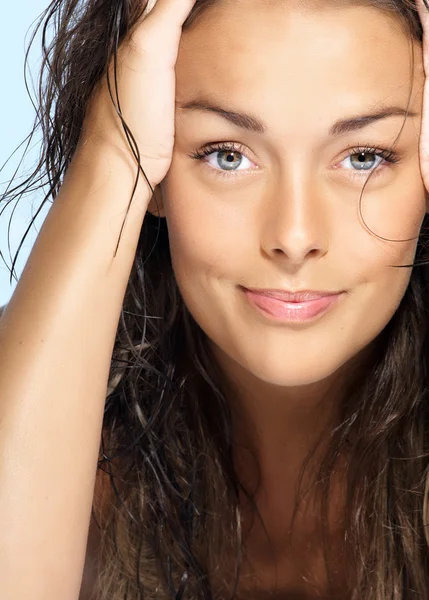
x=156 y=204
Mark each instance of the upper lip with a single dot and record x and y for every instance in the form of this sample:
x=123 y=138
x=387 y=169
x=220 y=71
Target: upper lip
x=287 y=296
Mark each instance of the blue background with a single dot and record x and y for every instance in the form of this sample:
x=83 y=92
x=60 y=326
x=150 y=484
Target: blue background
x=16 y=120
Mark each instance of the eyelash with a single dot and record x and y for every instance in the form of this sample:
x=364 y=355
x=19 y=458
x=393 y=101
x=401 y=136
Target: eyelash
x=388 y=156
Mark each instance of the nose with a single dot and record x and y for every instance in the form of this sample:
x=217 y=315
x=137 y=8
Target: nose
x=295 y=221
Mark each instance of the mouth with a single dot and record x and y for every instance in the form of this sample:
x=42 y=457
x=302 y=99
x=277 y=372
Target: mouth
x=292 y=307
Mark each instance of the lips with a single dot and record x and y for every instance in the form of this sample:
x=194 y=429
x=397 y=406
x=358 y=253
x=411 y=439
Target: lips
x=292 y=307
x=284 y=296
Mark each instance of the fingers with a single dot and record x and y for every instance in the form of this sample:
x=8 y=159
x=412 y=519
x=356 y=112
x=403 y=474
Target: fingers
x=171 y=12
x=149 y=6
x=423 y=9
x=159 y=31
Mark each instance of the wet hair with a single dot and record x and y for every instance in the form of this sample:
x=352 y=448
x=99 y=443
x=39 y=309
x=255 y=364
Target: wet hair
x=166 y=452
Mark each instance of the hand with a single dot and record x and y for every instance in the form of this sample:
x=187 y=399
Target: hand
x=424 y=135
x=146 y=87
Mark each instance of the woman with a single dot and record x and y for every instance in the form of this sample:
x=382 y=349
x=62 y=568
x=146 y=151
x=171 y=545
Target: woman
x=253 y=298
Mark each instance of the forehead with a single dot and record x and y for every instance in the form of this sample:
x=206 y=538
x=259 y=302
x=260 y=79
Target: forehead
x=297 y=54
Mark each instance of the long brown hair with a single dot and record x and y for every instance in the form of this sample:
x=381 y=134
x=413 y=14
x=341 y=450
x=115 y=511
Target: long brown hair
x=167 y=443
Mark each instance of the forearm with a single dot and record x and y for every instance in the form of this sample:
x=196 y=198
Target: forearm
x=56 y=342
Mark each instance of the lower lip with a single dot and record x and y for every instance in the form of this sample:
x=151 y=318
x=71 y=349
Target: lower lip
x=291 y=312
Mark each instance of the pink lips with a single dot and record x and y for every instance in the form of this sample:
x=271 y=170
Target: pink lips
x=289 y=307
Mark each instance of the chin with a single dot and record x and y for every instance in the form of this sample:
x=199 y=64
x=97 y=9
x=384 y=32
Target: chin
x=305 y=368
x=287 y=370
x=295 y=375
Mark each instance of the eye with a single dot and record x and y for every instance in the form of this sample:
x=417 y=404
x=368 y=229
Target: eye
x=226 y=158
x=364 y=159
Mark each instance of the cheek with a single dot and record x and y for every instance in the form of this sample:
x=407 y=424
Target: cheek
x=385 y=233
x=212 y=246
x=373 y=257
x=207 y=237
x=396 y=212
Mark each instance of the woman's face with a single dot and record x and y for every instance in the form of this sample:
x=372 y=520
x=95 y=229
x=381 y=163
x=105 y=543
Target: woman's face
x=281 y=210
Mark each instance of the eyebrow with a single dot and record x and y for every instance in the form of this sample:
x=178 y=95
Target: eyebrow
x=251 y=123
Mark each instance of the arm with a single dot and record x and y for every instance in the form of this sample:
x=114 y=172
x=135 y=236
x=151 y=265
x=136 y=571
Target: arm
x=56 y=341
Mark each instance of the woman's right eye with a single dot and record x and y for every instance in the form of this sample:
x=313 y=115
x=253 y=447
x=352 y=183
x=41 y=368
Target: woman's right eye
x=227 y=157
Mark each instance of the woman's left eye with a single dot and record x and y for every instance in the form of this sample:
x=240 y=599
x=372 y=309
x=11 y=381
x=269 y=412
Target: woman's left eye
x=228 y=157
x=366 y=160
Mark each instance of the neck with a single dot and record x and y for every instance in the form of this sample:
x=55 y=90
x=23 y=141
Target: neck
x=276 y=427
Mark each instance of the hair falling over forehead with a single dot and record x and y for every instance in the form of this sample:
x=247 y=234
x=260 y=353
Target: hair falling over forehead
x=175 y=510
